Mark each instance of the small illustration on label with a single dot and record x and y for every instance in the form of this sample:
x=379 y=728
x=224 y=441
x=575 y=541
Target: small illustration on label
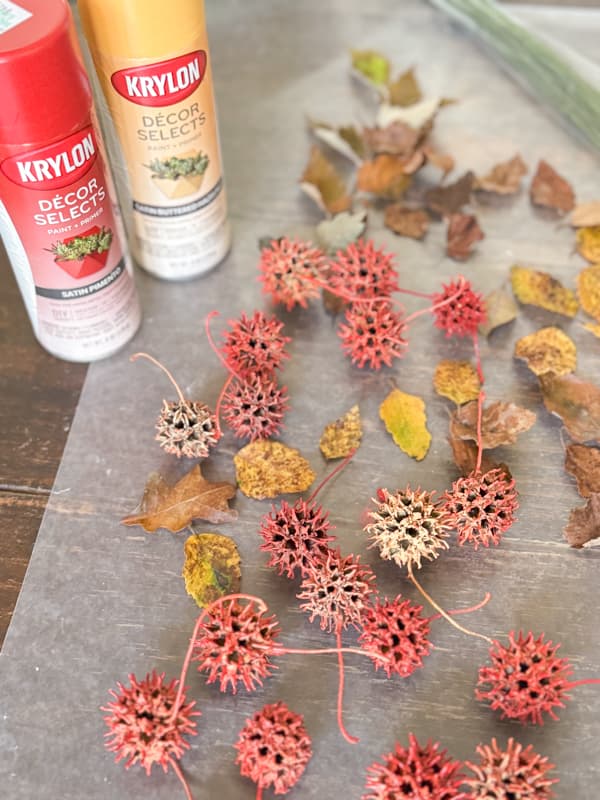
x=179 y=176
x=84 y=254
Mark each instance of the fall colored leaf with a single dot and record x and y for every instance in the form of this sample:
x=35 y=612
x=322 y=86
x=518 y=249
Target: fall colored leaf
x=586 y=215
x=536 y=288
x=406 y=221
x=418 y=115
x=457 y=380
x=583 y=463
x=441 y=161
x=584 y=523
x=397 y=139
x=593 y=328
x=588 y=290
x=405 y=419
x=211 y=568
x=342 y=437
x=462 y=235
x=501 y=423
x=405 y=90
x=174 y=507
x=576 y=402
x=340 y=231
x=550 y=190
x=547 y=350
x=501 y=309
x=504 y=178
x=267 y=468
x=588 y=243
x=449 y=199
x=383 y=176
x=324 y=184
x=345 y=140
x=464 y=453
x=371 y=65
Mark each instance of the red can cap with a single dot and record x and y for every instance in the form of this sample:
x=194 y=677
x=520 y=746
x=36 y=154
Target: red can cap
x=44 y=91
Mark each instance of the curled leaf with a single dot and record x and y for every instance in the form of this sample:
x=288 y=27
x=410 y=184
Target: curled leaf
x=537 y=288
x=504 y=178
x=501 y=423
x=462 y=235
x=576 y=402
x=501 y=309
x=406 y=221
x=447 y=200
x=550 y=190
x=405 y=419
x=457 y=380
x=588 y=243
x=345 y=140
x=397 y=139
x=584 y=523
x=342 y=437
x=266 y=469
x=383 y=176
x=211 y=568
x=547 y=350
x=586 y=215
x=405 y=90
x=324 y=184
x=583 y=463
x=588 y=290
x=372 y=66
x=340 y=231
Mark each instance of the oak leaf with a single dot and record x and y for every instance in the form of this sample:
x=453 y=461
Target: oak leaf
x=576 y=402
x=211 y=568
x=501 y=423
x=406 y=221
x=462 y=235
x=504 y=178
x=383 y=176
x=586 y=215
x=550 y=190
x=267 y=468
x=342 y=437
x=583 y=463
x=547 y=350
x=405 y=419
x=324 y=184
x=173 y=507
x=537 y=288
x=457 y=380
x=584 y=523
x=501 y=309
x=588 y=243
x=588 y=290
x=405 y=90
x=449 y=199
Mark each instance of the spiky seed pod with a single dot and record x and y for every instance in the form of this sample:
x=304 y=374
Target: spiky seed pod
x=274 y=748
x=337 y=590
x=362 y=271
x=407 y=526
x=296 y=536
x=187 y=429
x=515 y=773
x=463 y=315
x=254 y=408
x=396 y=631
x=255 y=345
x=141 y=728
x=415 y=773
x=373 y=334
x=481 y=507
x=526 y=679
x=290 y=271
x=234 y=642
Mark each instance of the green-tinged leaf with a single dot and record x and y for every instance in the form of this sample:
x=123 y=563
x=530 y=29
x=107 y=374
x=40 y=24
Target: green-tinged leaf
x=211 y=568
x=405 y=419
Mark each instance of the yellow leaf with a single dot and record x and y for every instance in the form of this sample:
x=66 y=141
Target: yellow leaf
x=593 y=328
x=211 y=568
x=371 y=65
x=405 y=419
x=588 y=290
x=457 y=380
x=588 y=243
x=548 y=350
x=342 y=437
x=541 y=289
x=324 y=184
x=266 y=469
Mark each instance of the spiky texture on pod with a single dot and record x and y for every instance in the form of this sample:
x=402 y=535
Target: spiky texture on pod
x=407 y=526
x=187 y=429
x=512 y=773
x=372 y=335
x=255 y=345
x=254 y=408
x=274 y=748
x=290 y=271
x=463 y=315
x=360 y=270
x=141 y=728
x=526 y=678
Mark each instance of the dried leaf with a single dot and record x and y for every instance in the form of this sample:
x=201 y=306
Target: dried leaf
x=501 y=423
x=324 y=184
x=588 y=290
x=337 y=233
x=406 y=221
x=441 y=161
x=457 y=380
x=550 y=190
x=586 y=215
x=540 y=289
x=576 y=402
x=501 y=309
x=504 y=178
x=588 y=243
x=547 y=350
x=397 y=139
x=464 y=453
x=342 y=437
x=345 y=140
x=384 y=176
x=446 y=200
x=462 y=235
x=405 y=419
x=416 y=116
x=584 y=464
x=211 y=568
x=174 y=507
x=405 y=90
x=371 y=65
x=584 y=523
x=266 y=469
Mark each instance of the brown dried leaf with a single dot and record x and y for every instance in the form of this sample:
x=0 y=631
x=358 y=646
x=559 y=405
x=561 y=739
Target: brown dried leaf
x=547 y=350
x=550 y=190
x=342 y=437
x=462 y=235
x=588 y=290
x=501 y=309
x=501 y=423
x=583 y=463
x=406 y=221
x=586 y=215
x=576 y=402
x=457 y=380
x=397 y=139
x=584 y=523
x=211 y=568
x=174 y=507
x=446 y=200
x=384 y=176
x=324 y=184
x=540 y=289
x=266 y=469
x=465 y=455
x=504 y=178
x=588 y=243
x=405 y=90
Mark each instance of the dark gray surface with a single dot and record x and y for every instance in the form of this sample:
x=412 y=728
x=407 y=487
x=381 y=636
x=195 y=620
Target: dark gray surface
x=101 y=600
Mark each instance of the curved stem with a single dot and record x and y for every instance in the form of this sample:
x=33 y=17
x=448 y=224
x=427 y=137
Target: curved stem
x=456 y=611
x=157 y=363
x=184 y=783
x=331 y=475
x=445 y=613
x=582 y=682
x=220 y=401
x=340 y=698
x=214 y=347
x=480 y=400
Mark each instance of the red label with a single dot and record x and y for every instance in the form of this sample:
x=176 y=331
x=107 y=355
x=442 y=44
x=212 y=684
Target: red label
x=163 y=83
x=55 y=166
